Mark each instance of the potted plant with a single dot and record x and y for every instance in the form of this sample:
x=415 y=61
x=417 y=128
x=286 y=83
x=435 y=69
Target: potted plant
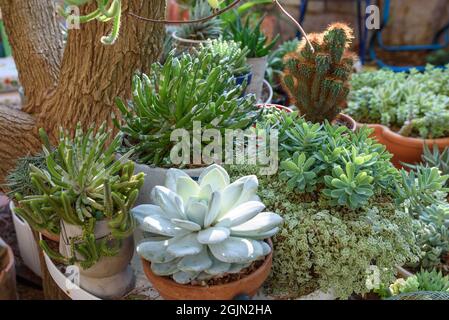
x=317 y=80
x=91 y=194
x=7 y=273
x=423 y=285
x=335 y=190
x=259 y=47
x=208 y=239
x=186 y=92
x=188 y=36
x=406 y=110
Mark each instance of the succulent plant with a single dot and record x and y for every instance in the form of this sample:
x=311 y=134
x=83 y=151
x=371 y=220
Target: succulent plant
x=106 y=10
x=318 y=81
x=229 y=54
x=185 y=89
x=210 y=29
x=421 y=281
x=435 y=159
x=205 y=229
x=82 y=183
x=299 y=173
x=250 y=37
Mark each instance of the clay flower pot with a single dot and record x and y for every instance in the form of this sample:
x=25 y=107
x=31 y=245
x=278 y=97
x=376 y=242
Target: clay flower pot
x=404 y=149
x=170 y=290
x=277 y=106
x=7 y=274
x=347 y=121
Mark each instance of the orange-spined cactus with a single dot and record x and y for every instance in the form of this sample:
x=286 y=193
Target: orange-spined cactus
x=317 y=81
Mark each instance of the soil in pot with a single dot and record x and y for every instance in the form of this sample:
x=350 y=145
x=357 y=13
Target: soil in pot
x=247 y=282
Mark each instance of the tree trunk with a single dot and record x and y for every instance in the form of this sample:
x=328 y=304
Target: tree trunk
x=82 y=84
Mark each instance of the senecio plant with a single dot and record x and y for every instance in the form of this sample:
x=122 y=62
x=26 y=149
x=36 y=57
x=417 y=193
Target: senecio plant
x=413 y=104
x=81 y=184
x=206 y=229
x=318 y=81
x=106 y=10
x=184 y=90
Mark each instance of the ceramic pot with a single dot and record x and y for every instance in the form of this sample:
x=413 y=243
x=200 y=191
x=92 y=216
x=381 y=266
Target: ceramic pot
x=109 y=278
x=249 y=285
x=183 y=45
x=258 y=67
x=404 y=149
x=8 y=289
x=155 y=176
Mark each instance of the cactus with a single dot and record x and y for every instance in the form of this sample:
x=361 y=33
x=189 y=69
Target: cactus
x=106 y=10
x=82 y=183
x=317 y=81
x=205 y=229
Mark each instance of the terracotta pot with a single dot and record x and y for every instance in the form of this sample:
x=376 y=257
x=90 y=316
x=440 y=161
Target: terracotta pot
x=349 y=122
x=404 y=149
x=170 y=290
x=8 y=289
x=277 y=106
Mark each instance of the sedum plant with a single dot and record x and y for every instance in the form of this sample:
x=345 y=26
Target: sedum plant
x=434 y=158
x=83 y=183
x=343 y=167
x=210 y=29
x=318 y=81
x=413 y=104
x=106 y=10
x=250 y=36
x=229 y=54
x=185 y=89
x=206 y=229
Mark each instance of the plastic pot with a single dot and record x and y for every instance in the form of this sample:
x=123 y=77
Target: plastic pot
x=258 y=67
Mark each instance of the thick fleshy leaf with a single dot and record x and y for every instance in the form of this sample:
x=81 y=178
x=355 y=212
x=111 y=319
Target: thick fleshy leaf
x=195 y=263
x=203 y=276
x=154 y=251
x=184 y=246
x=236 y=250
x=145 y=210
x=172 y=176
x=240 y=214
x=169 y=202
x=230 y=195
x=213 y=235
x=237 y=267
x=160 y=225
x=215 y=176
x=213 y=209
x=186 y=188
x=249 y=192
x=165 y=269
x=196 y=211
x=263 y=235
x=218 y=267
x=205 y=192
x=184 y=277
x=186 y=224
x=264 y=221
x=266 y=248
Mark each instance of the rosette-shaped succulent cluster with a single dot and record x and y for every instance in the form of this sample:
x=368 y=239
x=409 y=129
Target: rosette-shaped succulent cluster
x=205 y=229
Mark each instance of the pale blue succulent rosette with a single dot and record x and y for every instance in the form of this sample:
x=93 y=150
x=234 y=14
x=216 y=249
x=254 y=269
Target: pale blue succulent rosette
x=198 y=230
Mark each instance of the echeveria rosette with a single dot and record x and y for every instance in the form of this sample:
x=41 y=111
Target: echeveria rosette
x=205 y=229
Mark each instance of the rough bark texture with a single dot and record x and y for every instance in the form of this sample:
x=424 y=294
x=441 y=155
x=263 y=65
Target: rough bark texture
x=78 y=84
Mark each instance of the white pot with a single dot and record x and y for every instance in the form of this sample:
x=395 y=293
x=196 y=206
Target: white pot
x=258 y=67
x=29 y=250
x=267 y=87
x=109 y=278
x=155 y=176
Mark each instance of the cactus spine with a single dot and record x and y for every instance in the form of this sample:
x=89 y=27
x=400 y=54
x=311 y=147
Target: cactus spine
x=317 y=82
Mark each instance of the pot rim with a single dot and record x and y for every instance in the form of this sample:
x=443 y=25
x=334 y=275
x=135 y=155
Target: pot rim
x=274 y=105
x=348 y=119
x=411 y=141
x=169 y=282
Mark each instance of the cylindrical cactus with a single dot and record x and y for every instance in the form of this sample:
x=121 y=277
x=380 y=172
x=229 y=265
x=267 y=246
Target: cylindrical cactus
x=317 y=81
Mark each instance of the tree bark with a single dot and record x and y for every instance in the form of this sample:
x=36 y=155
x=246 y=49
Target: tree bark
x=79 y=84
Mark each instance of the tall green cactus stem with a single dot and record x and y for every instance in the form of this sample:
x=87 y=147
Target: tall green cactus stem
x=106 y=10
x=317 y=82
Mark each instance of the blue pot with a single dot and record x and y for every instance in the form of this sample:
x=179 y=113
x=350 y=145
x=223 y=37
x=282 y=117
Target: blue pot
x=240 y=79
